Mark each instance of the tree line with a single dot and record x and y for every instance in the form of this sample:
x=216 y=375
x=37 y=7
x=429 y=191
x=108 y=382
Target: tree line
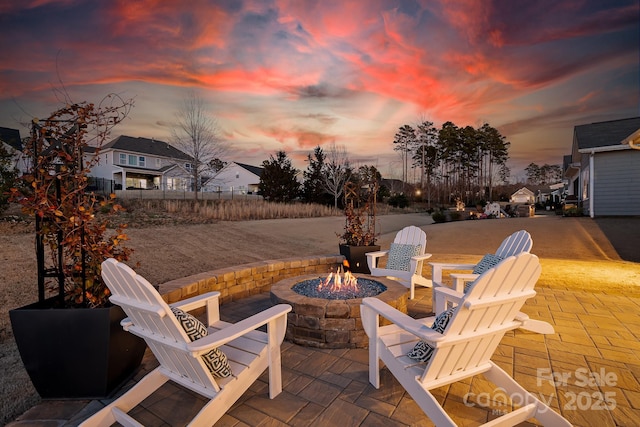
x=324 y=181
x=462 y=163
x=453 y=163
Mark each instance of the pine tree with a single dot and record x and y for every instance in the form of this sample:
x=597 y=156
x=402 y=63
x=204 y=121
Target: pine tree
x=278 y=181
x=313 y=190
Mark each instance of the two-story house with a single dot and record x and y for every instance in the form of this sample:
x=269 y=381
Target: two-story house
x=143 y=163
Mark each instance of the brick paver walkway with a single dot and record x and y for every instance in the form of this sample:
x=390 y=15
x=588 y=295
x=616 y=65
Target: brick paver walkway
x=589 y=371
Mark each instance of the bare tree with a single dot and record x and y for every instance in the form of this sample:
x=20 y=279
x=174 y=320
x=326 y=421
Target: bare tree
x=336 y=172
x=197 y=134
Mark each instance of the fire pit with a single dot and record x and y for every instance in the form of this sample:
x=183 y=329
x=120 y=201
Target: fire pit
x=326 y=312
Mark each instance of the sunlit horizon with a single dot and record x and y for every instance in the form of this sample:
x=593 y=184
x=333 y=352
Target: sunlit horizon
x=291 y=75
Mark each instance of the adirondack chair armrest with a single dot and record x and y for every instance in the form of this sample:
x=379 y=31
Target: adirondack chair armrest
x=210 y=300
x=376 y=254
x=415 y=261
x=449 y=294
x=442 y=296
x=459 y=279
x=449 y=266
x=421 y=257
x=438 y=267
x=276 y=313
x=198 y=301
x=398 y=318
x=372 y=258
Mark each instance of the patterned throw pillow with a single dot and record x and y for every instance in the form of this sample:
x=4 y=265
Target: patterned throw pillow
x=215 y=360
x=486 y=263
x=400 y=255
x=422 y=351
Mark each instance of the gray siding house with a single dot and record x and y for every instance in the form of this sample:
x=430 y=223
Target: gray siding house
x=603 y=169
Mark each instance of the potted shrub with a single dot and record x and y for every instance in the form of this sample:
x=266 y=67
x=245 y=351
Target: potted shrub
x=438 y=217
x=359 y=235
x=70 y=340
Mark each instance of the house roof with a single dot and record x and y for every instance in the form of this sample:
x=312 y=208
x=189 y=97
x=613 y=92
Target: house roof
x=523 y=190
x=146 y=146
x=604 y=134
x=253 y=169
x=11 y=137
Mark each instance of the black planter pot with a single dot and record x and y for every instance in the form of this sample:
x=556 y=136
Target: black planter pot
x=357 y=258
x=75 y=352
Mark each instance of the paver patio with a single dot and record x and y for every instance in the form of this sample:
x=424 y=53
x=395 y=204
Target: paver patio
x=589 y=371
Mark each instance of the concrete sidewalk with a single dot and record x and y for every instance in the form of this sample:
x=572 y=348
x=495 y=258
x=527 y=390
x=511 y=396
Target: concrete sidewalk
x=594 y=354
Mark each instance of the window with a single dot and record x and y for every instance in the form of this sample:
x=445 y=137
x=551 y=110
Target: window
x=158 y=163
x=141 y=161
x=187 y=166
x=133 y=160
x=123 y=159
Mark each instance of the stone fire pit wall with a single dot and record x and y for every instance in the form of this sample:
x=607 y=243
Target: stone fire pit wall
x=331 y=324
x=241 y=281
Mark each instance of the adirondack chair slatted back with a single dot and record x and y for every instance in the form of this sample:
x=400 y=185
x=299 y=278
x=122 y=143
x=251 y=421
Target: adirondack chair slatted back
x=150 y=318
x=520 y=241
x=412 y=235
x=482 y=318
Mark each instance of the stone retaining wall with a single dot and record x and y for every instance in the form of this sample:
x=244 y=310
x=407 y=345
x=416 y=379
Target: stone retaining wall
x=244 y=280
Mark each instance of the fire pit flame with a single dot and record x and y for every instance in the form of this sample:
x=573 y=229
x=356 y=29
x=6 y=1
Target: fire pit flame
x=345 y=282
x=339 y=285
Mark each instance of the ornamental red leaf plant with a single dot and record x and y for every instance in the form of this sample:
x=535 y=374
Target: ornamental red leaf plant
x=358 y=229
x=360 y=222
x=72 y=238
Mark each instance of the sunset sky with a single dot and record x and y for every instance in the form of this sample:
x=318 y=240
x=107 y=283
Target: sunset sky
x=293 y=74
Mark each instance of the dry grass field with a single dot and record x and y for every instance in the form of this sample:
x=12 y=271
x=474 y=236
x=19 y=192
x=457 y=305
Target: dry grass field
x=575 y=254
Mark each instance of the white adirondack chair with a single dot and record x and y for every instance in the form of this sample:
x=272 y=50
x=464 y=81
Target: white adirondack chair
x=408 y=264
x=442 y=296
x=248 y=350
x=520 y=241
x=465 y=347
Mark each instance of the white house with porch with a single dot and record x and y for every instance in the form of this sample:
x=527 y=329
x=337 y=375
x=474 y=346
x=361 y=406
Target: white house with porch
x=143 y=163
